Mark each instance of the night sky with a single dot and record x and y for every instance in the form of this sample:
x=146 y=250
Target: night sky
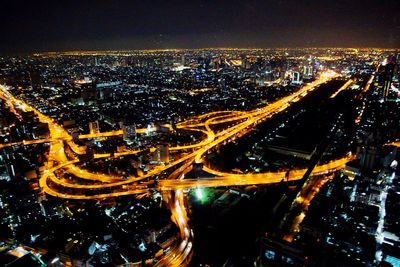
x=57 y=25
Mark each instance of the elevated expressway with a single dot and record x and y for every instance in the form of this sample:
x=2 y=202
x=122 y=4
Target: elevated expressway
x=218 y=127
x=96 y=185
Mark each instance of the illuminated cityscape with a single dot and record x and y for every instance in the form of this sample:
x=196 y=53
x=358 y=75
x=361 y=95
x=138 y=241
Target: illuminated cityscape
x=156 y=155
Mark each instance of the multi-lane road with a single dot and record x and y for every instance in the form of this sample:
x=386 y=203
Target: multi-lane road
x=217 y=127
x=240 y=122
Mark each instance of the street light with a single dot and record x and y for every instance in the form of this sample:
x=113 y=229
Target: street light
x=199 y=193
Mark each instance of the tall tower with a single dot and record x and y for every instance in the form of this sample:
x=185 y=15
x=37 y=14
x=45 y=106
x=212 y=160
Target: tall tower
x=371 y=154
x=183 y=60
x=388 y=76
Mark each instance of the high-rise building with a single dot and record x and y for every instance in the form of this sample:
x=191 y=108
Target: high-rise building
x=183 y=60
x=370 y=158
x=246 y=63
x=106 y=90
x=308 y=72
x=5 y=169
x=94 y=127
x=296 y=78
x=129 y=132
x=164 y=152
x=387 y=76
x=35 y=78
x=161 y=154
x=278 y=253
x=87 y=90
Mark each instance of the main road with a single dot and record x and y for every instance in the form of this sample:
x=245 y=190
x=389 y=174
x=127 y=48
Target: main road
x=91 y=185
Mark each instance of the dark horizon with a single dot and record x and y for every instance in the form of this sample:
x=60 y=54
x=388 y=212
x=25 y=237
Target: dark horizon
x=38 y=52
x=103 y=46
x=132 y=25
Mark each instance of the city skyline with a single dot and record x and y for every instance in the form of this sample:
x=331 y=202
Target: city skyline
x=200 y=133
x=192 y=157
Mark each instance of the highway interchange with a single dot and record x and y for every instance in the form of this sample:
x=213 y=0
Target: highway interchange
x=218 y=127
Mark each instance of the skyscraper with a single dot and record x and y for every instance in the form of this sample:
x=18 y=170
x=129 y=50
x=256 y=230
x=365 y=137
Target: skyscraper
x=307 y=72
x=183 y=60
x=296 y=77
x=388 y=76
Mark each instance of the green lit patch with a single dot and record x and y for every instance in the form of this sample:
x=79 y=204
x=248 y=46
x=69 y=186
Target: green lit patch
x=199 y=193
x=203 y=195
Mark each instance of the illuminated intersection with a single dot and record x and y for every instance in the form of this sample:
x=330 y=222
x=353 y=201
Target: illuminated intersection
x=240 y=122
x=64 y=177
